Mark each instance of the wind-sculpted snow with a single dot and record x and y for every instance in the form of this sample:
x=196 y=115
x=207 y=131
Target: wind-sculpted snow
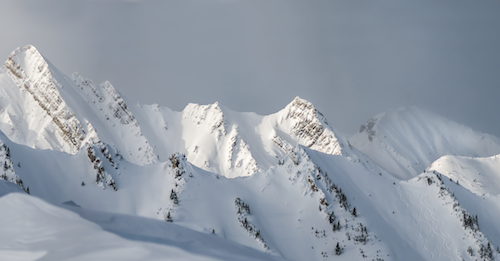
x=405 y=142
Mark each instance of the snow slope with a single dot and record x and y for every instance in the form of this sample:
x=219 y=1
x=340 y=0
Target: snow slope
x=406 y=141
x=81 y=163
x=38 y=230
x=479 y=175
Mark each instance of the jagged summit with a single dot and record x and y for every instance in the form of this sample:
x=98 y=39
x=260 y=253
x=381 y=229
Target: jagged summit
x=23 y=62
x=209 y=116
x=406 y=141
x=43 y=109
x=46 y=109
x=236 y=144
x=301 y=108
x=309 y=127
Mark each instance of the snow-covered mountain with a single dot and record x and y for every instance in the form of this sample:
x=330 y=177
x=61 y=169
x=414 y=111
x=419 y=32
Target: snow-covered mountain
x=88 y=174
x=406 y=141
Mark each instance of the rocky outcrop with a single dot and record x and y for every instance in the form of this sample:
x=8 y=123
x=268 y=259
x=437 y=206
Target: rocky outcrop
x=31 y=73
x=309 y=127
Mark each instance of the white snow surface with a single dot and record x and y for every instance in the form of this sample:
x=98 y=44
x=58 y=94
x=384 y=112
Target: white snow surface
x=479 y=175
x=406 y=141
x=38 y=230
x=89 y=175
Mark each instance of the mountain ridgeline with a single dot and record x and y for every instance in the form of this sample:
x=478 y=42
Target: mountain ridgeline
x=208 y=183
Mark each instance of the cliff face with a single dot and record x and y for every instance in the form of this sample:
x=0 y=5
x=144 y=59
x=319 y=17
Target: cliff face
x=308 y=126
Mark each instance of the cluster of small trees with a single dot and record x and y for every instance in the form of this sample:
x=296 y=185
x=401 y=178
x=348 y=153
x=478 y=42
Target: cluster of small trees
x=173 y=197
x=7 y=151
x=338 y=249
x=341 y=197
x=97 y=164
x=168 y=217
x=175 y=161
x=363 y=237
x=176 y=164
x=469 y=221
x=8 y=166
x=331 y=217
x=100 y=175
x=320 y=233
x=105 y=152
x=243 y=210
x=242 y=207
x=312 y=184
x=429 y=181
x=485 y=252
x=335 y=225
x=339 y=194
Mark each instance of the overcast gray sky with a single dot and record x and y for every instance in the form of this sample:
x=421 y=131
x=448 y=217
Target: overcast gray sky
x=352 y=59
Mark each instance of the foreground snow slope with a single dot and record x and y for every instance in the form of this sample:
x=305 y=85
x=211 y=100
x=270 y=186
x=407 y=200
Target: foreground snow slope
x=207 y=183
x=406 y=141
x=36 y=230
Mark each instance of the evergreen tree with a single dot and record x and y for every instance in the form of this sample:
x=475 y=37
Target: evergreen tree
x=338 y=249
x=332 y=218
x=173 y=197
x=168 y=218
x=489 y=252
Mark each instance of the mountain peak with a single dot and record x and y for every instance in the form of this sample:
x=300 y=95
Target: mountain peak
x=44 y=110
x=300 y=108
x=407 y=140
x=26 y=62
x=309 y=127
x=210 y=115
